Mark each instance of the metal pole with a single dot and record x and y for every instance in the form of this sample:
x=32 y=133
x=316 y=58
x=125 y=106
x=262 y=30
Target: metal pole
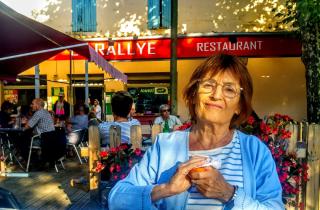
x=37 y=81
x=70 y=95
x=173 y=60
x=86 y=82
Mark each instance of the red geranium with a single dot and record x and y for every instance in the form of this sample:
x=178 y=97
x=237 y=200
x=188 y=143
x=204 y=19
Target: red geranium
x=272 y=131
x=118 y=161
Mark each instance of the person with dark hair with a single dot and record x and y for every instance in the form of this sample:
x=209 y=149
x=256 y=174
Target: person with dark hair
x=132 y=114
x=212 y=165
x=93 y=120
x=121 y=103
x=6 y=110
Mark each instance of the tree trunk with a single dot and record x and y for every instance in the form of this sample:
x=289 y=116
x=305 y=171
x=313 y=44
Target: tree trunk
x=311 y=58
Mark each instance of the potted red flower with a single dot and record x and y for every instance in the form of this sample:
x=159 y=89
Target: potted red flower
x=291 y=170
x=116 y=163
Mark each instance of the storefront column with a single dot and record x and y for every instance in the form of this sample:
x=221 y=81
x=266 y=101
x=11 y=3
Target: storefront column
x=173 y=60
x=37 y=81
x=86 y=83
x=70 y=92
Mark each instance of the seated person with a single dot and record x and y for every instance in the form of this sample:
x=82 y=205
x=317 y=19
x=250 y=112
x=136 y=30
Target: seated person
x=132 y=113
x=121 y=103
x=6 y=111
x=42 y=123
x=172 y=121
x=79 y=120
x=92 y=119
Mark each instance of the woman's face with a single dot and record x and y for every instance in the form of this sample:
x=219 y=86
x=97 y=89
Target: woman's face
x=218 y=99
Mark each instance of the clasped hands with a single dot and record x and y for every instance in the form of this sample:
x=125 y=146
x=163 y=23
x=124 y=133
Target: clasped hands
x=207 y=180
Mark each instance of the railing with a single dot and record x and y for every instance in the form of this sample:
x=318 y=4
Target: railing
x=305 y=140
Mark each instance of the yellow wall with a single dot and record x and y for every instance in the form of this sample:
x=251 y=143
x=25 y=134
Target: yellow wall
x=284 y=91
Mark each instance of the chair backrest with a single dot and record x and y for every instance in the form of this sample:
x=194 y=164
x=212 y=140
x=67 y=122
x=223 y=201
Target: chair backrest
x=84 y=135
x=53 y=145
x=74 y=137
x=115 y=135
x=156 y=129
x=136 y=136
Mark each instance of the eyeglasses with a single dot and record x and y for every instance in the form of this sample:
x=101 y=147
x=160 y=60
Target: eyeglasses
x=229 y=90
x=165 y=110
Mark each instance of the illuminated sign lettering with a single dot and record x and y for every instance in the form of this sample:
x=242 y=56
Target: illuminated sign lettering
x=194 y=47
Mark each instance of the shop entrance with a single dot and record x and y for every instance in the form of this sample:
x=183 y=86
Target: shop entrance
x=94 y=93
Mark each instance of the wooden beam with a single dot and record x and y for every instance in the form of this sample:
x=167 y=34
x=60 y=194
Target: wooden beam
x=115 y=135
x=156 y=129
x=94 y=149
x=136 y=136
x=312 y=194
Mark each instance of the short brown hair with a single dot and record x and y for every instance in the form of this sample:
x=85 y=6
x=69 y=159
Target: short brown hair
x=212 y=66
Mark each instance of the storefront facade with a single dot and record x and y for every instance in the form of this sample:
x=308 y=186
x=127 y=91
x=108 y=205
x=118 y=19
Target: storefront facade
x=123 y=38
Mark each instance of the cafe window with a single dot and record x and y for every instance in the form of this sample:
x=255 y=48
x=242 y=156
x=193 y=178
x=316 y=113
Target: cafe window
x=149 y=90
x=148 y=99
x=159 y=14
x=84 y=16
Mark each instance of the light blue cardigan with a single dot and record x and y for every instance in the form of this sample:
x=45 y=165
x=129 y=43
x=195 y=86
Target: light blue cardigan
x=262 y=189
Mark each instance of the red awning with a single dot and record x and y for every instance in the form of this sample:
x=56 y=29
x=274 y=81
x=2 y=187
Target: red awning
x=25 y=43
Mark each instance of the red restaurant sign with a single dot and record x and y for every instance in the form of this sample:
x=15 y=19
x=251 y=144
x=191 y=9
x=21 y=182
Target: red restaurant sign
x=194 y=47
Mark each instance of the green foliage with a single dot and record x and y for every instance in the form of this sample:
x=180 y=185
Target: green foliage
x=308 y=11
x=298 y=13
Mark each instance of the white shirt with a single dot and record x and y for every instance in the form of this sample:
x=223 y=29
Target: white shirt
x=172 y=121
x=97 y=110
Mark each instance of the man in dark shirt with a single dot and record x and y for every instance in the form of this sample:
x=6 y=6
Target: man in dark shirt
x=6 y=110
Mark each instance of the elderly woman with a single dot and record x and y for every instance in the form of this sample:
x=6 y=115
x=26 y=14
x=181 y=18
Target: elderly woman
x=176 y=174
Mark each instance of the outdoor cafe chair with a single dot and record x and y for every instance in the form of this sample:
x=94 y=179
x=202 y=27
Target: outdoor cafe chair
x=57 y=147
x=7 y=149
x=74 y=139
x=33 y=147
x=6 y=146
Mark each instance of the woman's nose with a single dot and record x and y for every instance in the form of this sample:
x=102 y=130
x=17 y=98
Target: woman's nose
x=217 y=92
